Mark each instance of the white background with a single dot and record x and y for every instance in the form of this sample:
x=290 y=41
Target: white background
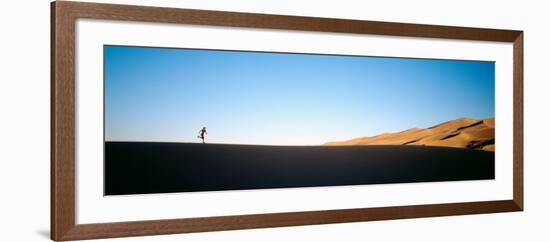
x=24 y=124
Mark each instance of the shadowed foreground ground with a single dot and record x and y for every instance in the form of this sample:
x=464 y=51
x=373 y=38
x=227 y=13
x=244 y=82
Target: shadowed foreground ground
x=141 y=167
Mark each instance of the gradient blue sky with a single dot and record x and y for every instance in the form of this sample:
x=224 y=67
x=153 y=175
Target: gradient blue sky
x=167 y=95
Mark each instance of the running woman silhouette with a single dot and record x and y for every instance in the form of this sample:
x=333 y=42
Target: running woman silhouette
x=202 y=133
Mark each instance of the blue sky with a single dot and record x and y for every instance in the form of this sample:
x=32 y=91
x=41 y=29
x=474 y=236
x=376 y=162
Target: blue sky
x=167 y=95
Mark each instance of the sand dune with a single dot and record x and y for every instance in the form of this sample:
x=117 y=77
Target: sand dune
x=156 y=167
x=460 y=133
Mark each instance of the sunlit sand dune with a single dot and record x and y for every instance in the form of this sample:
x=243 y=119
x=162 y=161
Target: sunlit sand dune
x=460 y=133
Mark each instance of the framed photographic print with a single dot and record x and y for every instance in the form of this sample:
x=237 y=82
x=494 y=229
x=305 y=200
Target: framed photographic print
x=172 y=120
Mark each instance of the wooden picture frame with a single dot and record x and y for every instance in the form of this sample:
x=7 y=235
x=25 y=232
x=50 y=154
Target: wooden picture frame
x=63 y=17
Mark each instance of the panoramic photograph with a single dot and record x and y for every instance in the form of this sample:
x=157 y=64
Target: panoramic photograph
x=198 y=120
